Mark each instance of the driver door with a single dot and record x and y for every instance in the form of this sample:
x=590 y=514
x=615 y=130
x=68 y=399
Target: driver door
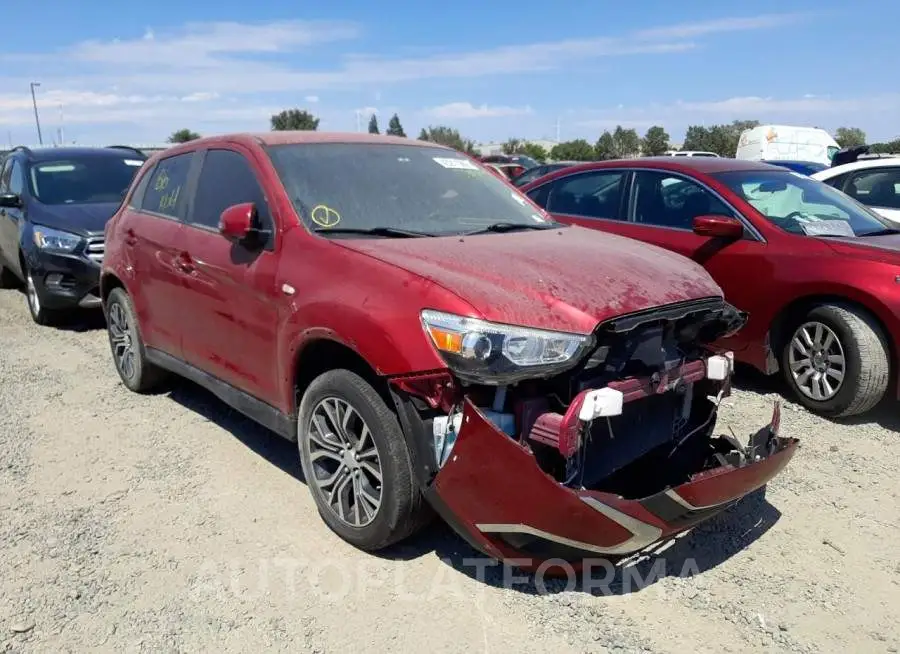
x=233 y=315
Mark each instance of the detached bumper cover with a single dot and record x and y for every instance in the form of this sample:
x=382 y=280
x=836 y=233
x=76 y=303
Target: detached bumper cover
x=502 y=502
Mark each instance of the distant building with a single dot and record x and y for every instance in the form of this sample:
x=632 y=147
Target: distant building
x=497 y=148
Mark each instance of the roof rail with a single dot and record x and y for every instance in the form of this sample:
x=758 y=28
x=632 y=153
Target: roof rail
x=127 y=147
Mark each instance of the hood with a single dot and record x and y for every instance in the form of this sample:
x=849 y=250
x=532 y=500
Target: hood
x=83 y=219
x=877 y=248
x=567 y=280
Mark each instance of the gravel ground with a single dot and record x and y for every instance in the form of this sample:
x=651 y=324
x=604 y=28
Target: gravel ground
x=169 y=523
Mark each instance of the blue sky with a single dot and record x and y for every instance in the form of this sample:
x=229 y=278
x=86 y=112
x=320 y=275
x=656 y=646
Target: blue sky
x=139 y=71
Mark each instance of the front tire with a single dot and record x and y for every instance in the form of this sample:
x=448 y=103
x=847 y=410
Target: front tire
x=836 y=361
x=356 y=462
x=39 y=313
x=129 y=356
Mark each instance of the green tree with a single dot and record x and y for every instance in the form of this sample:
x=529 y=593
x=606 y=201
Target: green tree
x=183 y=136
x=294 y=119
x=655 y=142
x=512 y=146
x=849 y=137
x=447 y=136
x=605 y=147
x=577 y=150
x=373 y=125
x=888 y=147
x=394 y=127
x=535 y=151
x=721 y=139
x=627 y=142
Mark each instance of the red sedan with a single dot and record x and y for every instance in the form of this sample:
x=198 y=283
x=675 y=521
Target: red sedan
x=818 y=273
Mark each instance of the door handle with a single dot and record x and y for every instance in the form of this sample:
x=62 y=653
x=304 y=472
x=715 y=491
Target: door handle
x=130 y=237
x=184 y=263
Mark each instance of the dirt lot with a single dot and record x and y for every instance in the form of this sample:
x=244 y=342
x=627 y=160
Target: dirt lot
x=168 y=523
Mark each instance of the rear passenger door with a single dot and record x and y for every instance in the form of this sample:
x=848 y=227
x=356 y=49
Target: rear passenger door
x=233 y=310
x=152 y=238
x=594 y=199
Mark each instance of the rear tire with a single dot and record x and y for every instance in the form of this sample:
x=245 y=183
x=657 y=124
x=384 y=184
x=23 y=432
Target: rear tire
x=129 y=356
x=354 y=456
x=836 y=361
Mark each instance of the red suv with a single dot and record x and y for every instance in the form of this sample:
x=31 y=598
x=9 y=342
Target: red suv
x=430 y=337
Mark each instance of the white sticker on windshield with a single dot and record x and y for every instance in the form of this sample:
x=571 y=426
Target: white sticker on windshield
x=134 y=162
x=458 y=164
x=58 y=168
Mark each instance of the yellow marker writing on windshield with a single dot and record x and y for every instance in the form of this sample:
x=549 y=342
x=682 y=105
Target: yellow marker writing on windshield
x=324 y=216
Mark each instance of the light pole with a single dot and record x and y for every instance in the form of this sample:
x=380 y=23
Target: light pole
x=37 y=120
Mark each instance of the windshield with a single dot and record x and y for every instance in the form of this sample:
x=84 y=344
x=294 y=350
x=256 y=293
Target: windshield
x=418 y=189
x=802 y=205
x=84 y=180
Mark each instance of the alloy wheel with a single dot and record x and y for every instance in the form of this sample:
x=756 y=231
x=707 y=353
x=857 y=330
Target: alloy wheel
x=122 y=340
x=817 y=362
x=34 y=300
x=344 y=460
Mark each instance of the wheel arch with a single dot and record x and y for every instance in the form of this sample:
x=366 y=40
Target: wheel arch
x=322 y=354
x=779 y=329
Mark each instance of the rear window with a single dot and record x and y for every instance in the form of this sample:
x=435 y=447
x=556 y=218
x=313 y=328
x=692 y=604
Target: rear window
x=418 y=188
x=82 y=180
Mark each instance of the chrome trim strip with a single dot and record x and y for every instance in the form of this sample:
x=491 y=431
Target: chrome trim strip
x=642 y=534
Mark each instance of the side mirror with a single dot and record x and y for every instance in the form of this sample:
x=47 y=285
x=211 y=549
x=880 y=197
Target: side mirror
x=237 y=221
x=719 y=227
x=10 y=200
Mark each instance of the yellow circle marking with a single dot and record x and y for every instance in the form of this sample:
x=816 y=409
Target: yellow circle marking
x=324 y=216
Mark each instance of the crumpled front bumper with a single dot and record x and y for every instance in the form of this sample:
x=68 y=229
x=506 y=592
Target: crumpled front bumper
x=493 y=493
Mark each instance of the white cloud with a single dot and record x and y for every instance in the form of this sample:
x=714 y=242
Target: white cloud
x=722 y=26
x=200 y=73
x=366 y=111
x=463 y=110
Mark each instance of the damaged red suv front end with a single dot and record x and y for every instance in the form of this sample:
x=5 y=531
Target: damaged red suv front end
x=603 y=459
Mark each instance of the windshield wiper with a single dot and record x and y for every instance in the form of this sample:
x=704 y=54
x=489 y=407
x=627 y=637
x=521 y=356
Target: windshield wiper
x=388 y=232
x=882 y=232
x=511 y=227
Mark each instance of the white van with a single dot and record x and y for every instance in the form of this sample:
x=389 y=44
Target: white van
x=786 y=143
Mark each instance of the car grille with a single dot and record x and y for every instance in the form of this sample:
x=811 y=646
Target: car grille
x=95 y=248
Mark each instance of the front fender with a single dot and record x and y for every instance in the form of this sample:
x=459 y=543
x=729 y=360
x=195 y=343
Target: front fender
x=389 y=341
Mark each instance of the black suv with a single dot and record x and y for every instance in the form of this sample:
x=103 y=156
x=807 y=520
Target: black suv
x=54 y=204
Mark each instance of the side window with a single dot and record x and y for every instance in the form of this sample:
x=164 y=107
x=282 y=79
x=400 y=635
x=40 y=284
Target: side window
x=165 y=192
x=876 y=188
x=5 y=170
x=837 y=181
x=226 y=179
x=16 y=182
x=668 y=201
x=594 y=194
x=137 y=197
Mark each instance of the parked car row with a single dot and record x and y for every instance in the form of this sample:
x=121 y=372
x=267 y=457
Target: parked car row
x=815 y=269
x=435 y=340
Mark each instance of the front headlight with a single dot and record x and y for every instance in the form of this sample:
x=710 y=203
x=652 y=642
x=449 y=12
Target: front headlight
x=53 y=240
x=490 y=353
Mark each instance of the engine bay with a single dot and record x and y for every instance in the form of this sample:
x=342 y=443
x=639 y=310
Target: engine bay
x=636 y=415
